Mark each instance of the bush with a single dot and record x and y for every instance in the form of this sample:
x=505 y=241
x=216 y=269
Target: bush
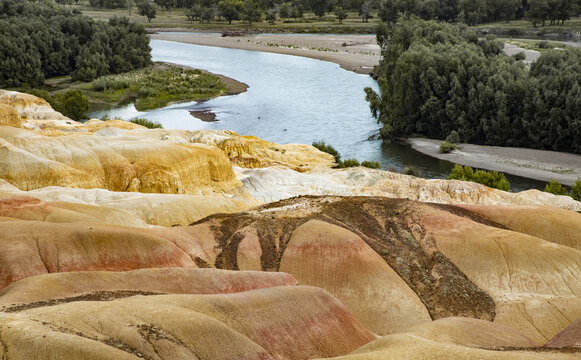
x=544 y=45
x=410 y=170
x=43 y=94
x=147 y=123
x=322 y=146
x=72 y=103
x=519 y=56
x=492 y=179
x=349 y=163
x=446 y=147
x=371 y=164
x=556 y=188
x=453 y=137
x=576 y=190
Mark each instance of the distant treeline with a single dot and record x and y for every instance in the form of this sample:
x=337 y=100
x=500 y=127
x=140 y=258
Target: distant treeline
x=470 y=12
x=474 y=12
x=38 y=42
x=436 y=78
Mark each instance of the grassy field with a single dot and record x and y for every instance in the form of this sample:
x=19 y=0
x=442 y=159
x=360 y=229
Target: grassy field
x=176 y=19
x=152 y=87
x=537 y=45
x=525 y=27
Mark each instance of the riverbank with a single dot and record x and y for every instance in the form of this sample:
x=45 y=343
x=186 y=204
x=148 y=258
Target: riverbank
x=534 y=164
x=152 y=87
x=358 y=53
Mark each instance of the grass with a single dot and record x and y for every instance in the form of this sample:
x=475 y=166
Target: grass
x=176 y=18
x=537 y=45
x=153 y=87
x=525 y=27
x=147 y=123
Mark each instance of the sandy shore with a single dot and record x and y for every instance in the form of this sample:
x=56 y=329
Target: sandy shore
x=358 y=53
x=534 y=164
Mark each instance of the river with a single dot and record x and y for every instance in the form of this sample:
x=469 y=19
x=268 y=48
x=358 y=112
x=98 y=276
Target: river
x=290 y=99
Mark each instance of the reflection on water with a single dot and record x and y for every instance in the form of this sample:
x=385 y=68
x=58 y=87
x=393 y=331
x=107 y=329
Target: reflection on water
x=290 y=99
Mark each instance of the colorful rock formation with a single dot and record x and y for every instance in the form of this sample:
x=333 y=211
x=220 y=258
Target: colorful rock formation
x=97 y=260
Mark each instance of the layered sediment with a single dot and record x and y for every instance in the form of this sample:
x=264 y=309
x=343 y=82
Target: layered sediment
x=119 y=242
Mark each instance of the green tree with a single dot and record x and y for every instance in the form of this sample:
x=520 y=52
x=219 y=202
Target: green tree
x=271 y=16
x=388 y=12
x=284 y=12
x=147 y=9
x=72 y=103
x=166 y=4
x=341 y=13
x=207 y=14
x=365 y=11
x=319 y=7
x=555 y=187
x=492 y=179
x=231 y=9
x=251 y=12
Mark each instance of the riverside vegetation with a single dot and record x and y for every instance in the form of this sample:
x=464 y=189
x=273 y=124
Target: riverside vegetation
x=329 y=15
x=156 y=86
x=39 y=42
x=436 y=78
x=76 y=50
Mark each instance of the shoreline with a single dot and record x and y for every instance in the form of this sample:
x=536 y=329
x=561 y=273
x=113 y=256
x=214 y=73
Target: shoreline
x=542 y=165
x=357 y=53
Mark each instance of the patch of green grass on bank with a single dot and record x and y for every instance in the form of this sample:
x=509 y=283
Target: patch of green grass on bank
x=537 y=45
x=525 y=27
x=155 y=86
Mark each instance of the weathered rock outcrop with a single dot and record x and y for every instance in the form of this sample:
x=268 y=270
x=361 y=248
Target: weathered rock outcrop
x=30 y=107
x=9 y=116
x=570 y=337
x=270 y=185
x=58 y=204
x=31 y=161
x=290 y=322
x=449 y=269
x=394 y=263
x=60 y=288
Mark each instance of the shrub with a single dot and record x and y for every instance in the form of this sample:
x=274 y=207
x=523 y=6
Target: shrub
x=147 y=123
x=446 y=147
x=492 y=179
x=322 y=146
x=519 y=56
x=72 y=103
x=349 y=163
x=544 y=45
x=371 y=164
x=453 y=137
x=576 y=190
x=410 y=170
x=555 y=187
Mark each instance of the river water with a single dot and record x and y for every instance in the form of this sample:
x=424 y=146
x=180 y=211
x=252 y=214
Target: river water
x=290 y=99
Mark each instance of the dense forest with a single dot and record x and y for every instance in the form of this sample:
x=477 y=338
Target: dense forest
x=470 y=12
x=39 y=41
x=436 y=78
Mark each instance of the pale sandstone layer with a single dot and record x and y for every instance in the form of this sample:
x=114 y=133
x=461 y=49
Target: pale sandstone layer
x=570 y=337
x=285 y=322
x=39 y=291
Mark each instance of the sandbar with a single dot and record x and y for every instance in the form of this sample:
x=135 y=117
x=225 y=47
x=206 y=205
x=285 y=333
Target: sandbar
x=541 y=165
x=358 y=53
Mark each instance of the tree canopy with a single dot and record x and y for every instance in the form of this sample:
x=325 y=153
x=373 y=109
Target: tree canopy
x=37 y=42
x=436 y=78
